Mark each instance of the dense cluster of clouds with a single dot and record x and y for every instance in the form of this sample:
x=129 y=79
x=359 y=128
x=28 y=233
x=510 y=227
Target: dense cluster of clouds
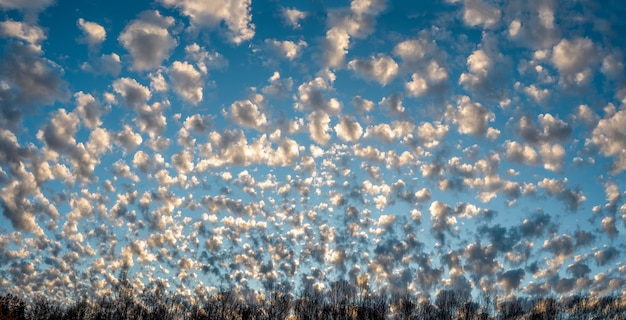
x=465 y=164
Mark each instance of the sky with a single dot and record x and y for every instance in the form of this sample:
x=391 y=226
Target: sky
x=404 y=146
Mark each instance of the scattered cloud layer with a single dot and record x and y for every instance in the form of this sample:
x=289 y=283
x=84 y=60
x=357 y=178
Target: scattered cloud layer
x=470 y=145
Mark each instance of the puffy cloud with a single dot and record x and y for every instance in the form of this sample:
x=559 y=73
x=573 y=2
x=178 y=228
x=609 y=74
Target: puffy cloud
x=151 y=119
x=15 y=205
x=433 y=79
x=532 y=24
x=348 y=129
x=413 y=50
x=105 y=64
x=204 y=59
x=551 y=129
x=198 y=124
x=148 y=40
x=60 y=134
x=28 y=79
x=520 y=153
x=471 y=117
x=552 y=156
x=28 y=6
x=288 y=49
x=187 y=81
x=605 y=256
x=88 y=109
x=572 y=198
x=127 y=138
x=478 y=13
x=93 y=32
x=487 y=68
x=21 y=30
x=362 y=105
x=610 y=137
x=278 y=87
x=344 y=25
x=246 y=113
x=562 y=247
x=608 y=226
x=511 y=279
x=234 y=14
x=133 y=93
x=573 y=59
x=336 y=47
x=293 y=16
x=318 y=126
x=381 y=69
x=393 y=103
x=311 y=97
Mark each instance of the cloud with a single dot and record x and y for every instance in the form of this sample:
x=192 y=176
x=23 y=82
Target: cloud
x=572 y=198
x=88 y=109
x=133 y=93
x=278 y=87
x=187 y=81
x=471 y=117
x=318 y=126
x=21 y=30
x=293 y=16
x=348 y=129
x=246 y=113
x=381 y=69
x=28 y=80
x=533 y=23
x=234 y=14
x=311 y=97
x=93 y=33
x=148 y=40
x=287 y=49
x=432 y=80
x=478 y=13
x=27 y=6
x=551 y=129
x=574 y=59
x=608 y=135
x=358 y=22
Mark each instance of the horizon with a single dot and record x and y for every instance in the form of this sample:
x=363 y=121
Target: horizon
x=469 y=145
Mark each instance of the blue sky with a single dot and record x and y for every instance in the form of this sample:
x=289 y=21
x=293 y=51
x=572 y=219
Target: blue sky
x=470 y=145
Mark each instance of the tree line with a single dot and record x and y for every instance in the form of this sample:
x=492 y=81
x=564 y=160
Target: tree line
x=341 y=300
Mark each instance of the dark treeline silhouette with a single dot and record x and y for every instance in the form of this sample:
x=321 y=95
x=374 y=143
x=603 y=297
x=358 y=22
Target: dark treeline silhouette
x=341 y=300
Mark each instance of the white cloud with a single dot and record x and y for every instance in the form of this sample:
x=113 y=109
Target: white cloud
x=393 y=103
x=134 y=94
x=348 y=129
x=433 y=79
x=187 y=81
x=311 y=97
x=574 y=59
x=381 y=69
x=27 y=79
x=93 y=32
x=318 y=126
x=293 y=16
x=21 y=30
x=478 y=13
x=362 y=105
x=210 y=14
x=278 y=87
x=88 y=109
x=31 y=5
x=287 y=49
x=246 y=113
x=609 y=136
x=148 y=40
x=471 y=117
